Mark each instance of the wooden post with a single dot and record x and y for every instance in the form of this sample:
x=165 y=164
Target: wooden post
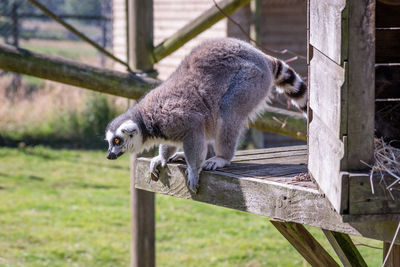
x=305 y=243
x=17 y=78
x=345 y=249
x=257 y=136
x=140 y=36
x=394 y=257
x=15 y=24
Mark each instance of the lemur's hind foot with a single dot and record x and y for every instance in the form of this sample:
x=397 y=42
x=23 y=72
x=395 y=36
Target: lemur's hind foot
x=214 y=163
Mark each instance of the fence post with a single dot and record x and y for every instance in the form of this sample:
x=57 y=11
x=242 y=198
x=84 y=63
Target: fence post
x=17 y=78
x=140 y=47
x=257 y=136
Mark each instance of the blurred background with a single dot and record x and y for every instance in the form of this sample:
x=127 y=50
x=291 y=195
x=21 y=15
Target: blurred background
x=35 y=111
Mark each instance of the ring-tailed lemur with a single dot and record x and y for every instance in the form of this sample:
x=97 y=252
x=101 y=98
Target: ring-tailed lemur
x=209 y=98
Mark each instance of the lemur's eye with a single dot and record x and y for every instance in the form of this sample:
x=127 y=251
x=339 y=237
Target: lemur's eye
x=117 y=141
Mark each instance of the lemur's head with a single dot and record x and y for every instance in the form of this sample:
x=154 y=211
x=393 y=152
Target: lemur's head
x=123 y=135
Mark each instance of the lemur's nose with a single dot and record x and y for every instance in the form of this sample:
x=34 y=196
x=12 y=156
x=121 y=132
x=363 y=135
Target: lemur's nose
x=111 y=155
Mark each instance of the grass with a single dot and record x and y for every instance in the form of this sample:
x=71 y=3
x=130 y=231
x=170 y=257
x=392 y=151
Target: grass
x=71 y=208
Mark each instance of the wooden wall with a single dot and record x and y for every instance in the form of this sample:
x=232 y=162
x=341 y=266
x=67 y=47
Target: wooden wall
x=283 y=27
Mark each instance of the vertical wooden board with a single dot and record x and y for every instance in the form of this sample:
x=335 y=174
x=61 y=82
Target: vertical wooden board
x=326 y=27
x=394 y=256
x=362 y=201
x=324 y=156
x=361 y=84
x=326 y=80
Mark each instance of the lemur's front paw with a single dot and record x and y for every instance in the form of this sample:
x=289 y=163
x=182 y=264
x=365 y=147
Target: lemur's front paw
x=154 y=164
x=215 y=162
x=193 y=180
x=178 y=157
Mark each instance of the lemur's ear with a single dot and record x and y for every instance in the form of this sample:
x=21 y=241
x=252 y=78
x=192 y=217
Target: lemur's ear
x=129 y=127
x=129 y=130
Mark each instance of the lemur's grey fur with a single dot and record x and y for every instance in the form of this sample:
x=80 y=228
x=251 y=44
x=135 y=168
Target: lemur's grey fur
x=208 y=99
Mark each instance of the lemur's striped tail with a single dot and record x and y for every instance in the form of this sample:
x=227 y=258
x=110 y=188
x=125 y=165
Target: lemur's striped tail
x=289 y=82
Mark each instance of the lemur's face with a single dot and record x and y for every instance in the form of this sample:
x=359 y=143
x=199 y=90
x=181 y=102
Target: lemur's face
x=124 y=138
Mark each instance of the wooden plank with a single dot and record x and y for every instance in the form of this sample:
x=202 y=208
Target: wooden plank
x=140 y=46
x=345 y=249
x=272 y=197
x=388 y=45
x=264 y=151
x=269 y=155
x=326 y=80
x=387 y=15
x=325 y=154
x=361 y=84
x=325 y=27
x=394 y=257
x=363 y=201
x=305 y=243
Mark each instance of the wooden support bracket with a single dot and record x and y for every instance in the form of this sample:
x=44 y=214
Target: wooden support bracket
x=305 y=243
x=345 y=249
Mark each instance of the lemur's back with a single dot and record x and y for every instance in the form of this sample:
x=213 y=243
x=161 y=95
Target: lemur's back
x=202 y=80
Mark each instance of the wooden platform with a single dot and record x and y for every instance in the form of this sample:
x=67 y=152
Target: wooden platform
x=267 y=182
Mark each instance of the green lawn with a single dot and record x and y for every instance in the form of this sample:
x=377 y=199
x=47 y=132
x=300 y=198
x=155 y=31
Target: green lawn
x=71 y=208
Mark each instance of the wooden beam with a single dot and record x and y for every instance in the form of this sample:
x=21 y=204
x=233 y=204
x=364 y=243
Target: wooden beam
x=74 y=73
x=283 y=122
x=140 y=46
x=195 y=27
x=345 y=249
x=305 y=243
x=394 y=257
x=361 y=92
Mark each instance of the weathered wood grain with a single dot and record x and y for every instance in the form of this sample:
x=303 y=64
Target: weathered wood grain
x=283 y=197
x=305 y=243
x=325 y=27
x=345 y=249
x=73 y=73
x=363 y=201
x=140 y=47
x=388 y=45
x=361 y=84
x=394 y=257
x=326 y=79
x=326 y=151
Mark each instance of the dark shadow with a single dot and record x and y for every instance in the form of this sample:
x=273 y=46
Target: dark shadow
x=5 y=175
x=36 y=178
x=94 y=186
